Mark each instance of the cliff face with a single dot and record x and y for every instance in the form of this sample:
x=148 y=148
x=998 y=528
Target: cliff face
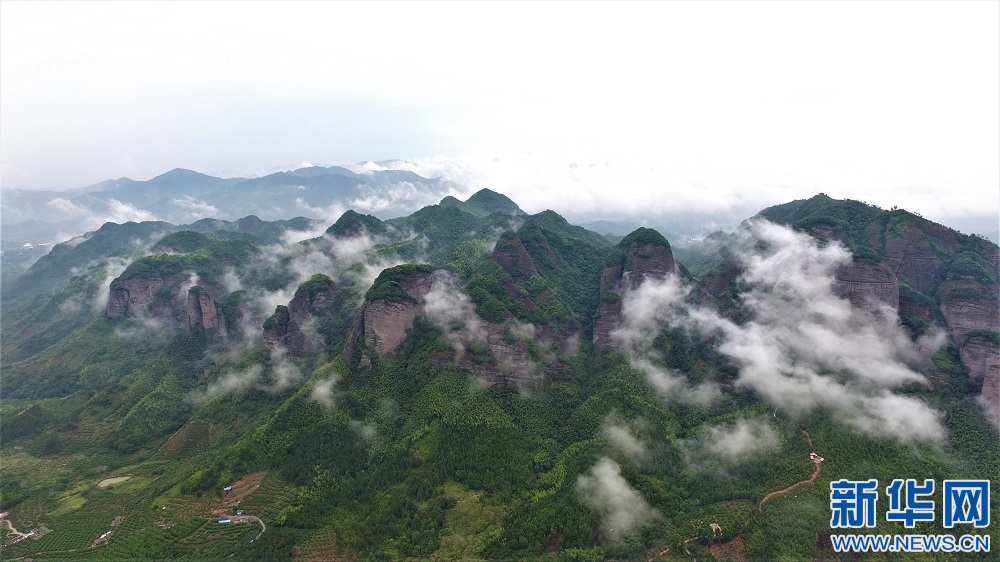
x=501 y=355
x=133 y=295
x=145 y=294
x=966 y=315
x=645 y=255
x=867 y=286
x=513 y=257
x=201 y=312
x=498 y=353
x=276 y=328
x=973 y=324
x=288 y=326
x=914 y=249
x=381 y=324
x=649 y=261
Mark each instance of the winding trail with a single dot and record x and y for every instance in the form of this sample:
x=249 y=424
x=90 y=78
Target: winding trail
x=814 y=458
x=13 y=530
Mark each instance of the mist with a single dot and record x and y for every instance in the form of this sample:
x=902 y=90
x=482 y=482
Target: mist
x=805 y=348
x=622 y=507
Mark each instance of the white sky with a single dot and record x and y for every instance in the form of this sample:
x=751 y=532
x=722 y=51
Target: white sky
x=626 y=107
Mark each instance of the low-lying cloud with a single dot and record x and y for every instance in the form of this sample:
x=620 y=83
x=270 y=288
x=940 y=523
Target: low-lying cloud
x=453 y=312
x=622 y=507
x=194 y=209
x=731 y=443
x=804 y=348
x=624 y=440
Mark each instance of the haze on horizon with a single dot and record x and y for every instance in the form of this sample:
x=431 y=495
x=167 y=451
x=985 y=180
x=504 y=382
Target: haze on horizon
x=620 y=109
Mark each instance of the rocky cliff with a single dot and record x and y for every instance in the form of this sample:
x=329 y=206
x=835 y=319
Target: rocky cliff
x=505 y=353
x=388 y=311
x=914 y=249
x=642 y=255
x=133 y=295
x=510 y=354
x=510 y=253
x=202 y=313
x=868 y=286
x=289 y=326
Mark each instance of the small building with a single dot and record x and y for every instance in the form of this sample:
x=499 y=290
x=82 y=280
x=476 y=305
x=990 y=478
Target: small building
x=239 y=513
x=225 y=520
x=227 y=488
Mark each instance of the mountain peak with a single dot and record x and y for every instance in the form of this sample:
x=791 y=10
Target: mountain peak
x=352 y=224
x=644 y=235
x=180 y=174
x=490 y=201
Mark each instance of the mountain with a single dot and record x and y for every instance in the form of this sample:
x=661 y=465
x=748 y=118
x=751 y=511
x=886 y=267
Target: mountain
x=472 y=381
x=181 y=196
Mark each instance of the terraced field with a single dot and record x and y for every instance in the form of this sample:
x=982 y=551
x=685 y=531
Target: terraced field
x=267 y=502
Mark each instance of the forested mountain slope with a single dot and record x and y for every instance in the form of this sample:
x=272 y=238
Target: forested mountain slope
x=471 y=381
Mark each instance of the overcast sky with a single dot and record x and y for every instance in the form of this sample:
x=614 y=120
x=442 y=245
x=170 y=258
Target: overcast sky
x=640 y=107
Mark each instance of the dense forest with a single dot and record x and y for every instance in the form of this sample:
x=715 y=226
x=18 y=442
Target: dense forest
x=474 y=382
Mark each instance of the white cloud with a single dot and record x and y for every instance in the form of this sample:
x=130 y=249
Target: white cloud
x=126 y=212
x=622 y=508
x=732 y=443
x=453 y=312
x=67 y=207
x=804 y=348
x=229 y=383
x=624 y=440
x=113 y=267
x=195 y=209
x=322 y=392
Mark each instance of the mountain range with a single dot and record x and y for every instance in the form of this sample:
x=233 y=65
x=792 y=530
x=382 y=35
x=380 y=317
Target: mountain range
x=473 y=381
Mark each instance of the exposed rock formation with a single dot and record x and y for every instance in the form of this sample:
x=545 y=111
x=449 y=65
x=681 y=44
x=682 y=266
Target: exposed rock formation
x=913 y=248
x=964 y=316
x=648 y=261
x=392 y=304
x=645 y=254
x=981 y=354
x=202 y=314
x=867 y=285
x=133 y=295
x=288 y=326
x=504 y=358
x=276 y=328
x=513 y=257
x=501 y=354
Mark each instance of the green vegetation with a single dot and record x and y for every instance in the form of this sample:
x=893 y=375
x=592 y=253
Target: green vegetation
x=316 y=283
x=386 y=285
x=412 y=457
x=352 y=223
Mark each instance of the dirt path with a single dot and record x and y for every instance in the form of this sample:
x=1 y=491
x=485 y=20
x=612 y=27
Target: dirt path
x=241 y=518
x=813 y=458
x=13 y=530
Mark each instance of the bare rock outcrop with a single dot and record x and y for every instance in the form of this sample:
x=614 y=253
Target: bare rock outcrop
x=509 y=354
x=971 y=310
x=391 y=305
x=868 y=286
x=913 y=248
x=504 y=353
x=513 y=257
x=643 y=254
x=965 y=315
x=202 y=313
x=132 y=296
x=288 y=327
